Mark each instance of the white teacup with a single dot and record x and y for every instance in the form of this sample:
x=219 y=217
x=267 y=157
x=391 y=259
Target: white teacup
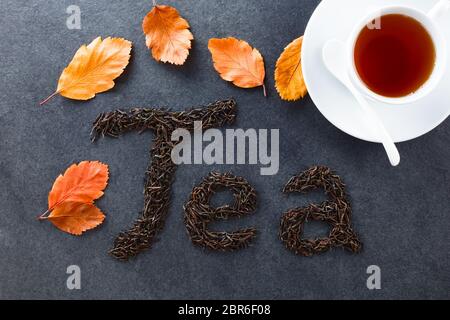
x=428 y=20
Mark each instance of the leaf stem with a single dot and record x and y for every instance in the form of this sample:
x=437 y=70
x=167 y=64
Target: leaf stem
x=49 y=97
x=42 y=216
x=264 y=90
x=154 y=3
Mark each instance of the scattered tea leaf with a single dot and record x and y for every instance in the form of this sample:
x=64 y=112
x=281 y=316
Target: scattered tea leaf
x=167 y=35
x=93 y=69
x=236 y=61
x=288 y=72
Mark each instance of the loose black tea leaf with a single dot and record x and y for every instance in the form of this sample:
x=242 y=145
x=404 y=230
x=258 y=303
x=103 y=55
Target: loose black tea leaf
x=161 y=168
x=198 y=212
x=336 y=212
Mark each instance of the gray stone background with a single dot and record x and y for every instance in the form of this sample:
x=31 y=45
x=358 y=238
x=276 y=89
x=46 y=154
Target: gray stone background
x=400 y=213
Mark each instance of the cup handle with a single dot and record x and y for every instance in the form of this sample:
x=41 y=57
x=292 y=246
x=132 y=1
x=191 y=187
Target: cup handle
x=439 y=9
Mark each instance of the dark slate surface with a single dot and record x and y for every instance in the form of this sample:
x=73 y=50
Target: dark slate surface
x=401 y=214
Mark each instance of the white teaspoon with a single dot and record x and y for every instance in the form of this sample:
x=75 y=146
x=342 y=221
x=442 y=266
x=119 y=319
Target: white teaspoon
x=334 y=57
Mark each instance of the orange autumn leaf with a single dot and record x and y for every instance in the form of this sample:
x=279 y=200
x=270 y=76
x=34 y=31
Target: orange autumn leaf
x=167 y=35
x=288 y=72
x=70 y=202
x=76 y=217
x=93 y=69
x=84 y=183
x=236 y=61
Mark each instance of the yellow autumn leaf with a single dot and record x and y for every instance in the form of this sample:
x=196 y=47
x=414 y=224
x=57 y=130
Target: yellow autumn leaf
x=288 y=72
x=93 y=69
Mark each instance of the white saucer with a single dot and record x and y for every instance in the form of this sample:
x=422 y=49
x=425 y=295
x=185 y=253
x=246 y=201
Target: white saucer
x=335 y=19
